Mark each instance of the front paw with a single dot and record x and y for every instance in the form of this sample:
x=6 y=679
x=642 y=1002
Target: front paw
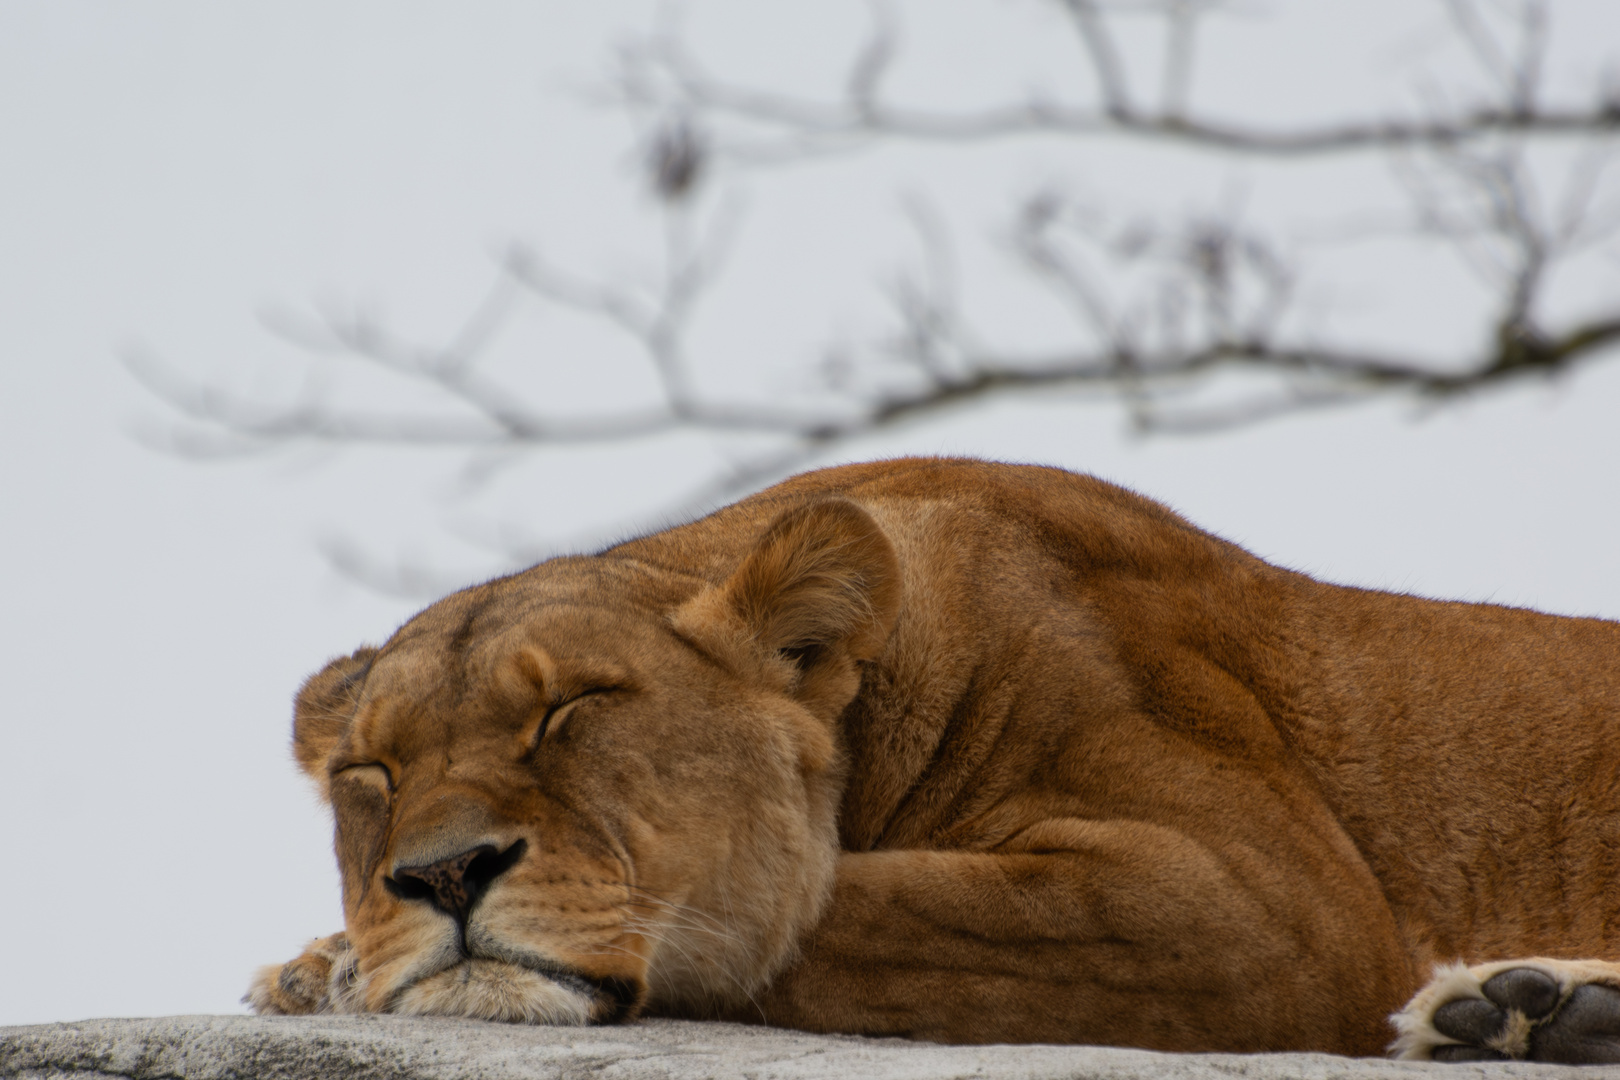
x=1562 y=1011
x=314 y=982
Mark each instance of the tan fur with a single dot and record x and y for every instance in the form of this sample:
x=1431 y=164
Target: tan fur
x=318 y=981
x=966 y=752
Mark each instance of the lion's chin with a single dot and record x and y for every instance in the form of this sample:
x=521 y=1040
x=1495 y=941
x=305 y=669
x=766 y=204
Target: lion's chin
x=494 y=990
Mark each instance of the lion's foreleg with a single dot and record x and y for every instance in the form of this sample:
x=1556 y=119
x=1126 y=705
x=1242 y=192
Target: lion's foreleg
x=1132 y=935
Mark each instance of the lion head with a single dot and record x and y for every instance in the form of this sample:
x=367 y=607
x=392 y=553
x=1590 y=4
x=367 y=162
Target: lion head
x=603 y=783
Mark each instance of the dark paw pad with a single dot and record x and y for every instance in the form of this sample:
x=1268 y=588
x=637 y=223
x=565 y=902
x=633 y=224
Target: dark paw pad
x=1499 y=1025
x=1525 y=989
x=1471 y=1020
x=1586 y=1030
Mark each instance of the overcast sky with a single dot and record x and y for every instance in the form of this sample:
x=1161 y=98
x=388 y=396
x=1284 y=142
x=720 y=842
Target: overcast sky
x=172 y=171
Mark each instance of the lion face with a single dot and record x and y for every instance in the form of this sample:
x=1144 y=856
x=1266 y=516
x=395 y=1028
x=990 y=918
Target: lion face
x=598 y=784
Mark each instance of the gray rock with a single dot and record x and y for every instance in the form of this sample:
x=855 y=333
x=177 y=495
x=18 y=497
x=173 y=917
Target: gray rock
x=400 y=1048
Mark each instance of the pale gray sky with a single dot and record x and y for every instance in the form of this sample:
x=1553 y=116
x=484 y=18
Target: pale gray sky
x=171 y=169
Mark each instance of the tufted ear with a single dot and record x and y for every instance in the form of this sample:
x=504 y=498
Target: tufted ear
x=325 y=707
x=819 y=590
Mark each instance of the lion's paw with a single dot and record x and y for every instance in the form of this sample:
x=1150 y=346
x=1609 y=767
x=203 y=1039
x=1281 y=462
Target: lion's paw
x=318 y=980
x=1524 y=1010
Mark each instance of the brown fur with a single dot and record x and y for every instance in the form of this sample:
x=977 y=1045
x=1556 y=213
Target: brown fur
x=965 y=752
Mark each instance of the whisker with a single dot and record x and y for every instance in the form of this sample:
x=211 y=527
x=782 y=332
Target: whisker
x=699 y=961
x=669 y=924
x=715 y=926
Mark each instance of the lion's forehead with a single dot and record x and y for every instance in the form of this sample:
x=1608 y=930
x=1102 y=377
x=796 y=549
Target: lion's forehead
x=446 y=676
x=459 y=653
x=588 y=581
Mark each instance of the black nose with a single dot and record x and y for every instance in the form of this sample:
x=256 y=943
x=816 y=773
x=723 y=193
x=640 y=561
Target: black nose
x=454 y=885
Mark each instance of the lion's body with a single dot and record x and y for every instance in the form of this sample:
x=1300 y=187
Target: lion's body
x=1097 y=776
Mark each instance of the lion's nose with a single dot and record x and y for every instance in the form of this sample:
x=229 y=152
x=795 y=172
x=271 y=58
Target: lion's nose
x=454 y=885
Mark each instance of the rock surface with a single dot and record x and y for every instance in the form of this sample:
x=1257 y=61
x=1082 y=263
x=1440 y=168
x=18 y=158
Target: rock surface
x=398 y=1048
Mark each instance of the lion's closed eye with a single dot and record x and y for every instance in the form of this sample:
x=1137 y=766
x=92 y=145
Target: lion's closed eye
x=372 y=774
x=362 y=800
x=552 y=720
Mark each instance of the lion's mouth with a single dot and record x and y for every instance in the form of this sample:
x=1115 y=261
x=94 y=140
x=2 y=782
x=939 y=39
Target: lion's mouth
x=496 y=990
x=526 y=991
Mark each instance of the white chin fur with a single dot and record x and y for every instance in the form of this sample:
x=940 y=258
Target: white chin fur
x=492 y=990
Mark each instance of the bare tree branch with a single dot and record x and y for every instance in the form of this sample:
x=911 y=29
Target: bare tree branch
x=1181 y=26
x=1105 y=63
x=662 y=66
x=1156 y=306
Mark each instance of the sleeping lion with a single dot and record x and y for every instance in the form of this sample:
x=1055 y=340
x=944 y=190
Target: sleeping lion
x=975 y=753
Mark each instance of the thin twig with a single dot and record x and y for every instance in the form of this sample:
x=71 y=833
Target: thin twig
x=1157 y=308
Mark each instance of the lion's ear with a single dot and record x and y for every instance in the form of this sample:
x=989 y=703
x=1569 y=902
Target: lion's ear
x=822 y=582
x=324 y=708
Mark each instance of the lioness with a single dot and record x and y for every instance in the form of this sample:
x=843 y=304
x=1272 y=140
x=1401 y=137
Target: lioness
x=975 y=752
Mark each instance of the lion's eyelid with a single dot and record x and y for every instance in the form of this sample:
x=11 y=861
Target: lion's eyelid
x=555 y=709
x=338 y=769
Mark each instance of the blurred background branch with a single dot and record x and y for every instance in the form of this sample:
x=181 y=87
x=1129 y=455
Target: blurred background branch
x=1193 y=318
